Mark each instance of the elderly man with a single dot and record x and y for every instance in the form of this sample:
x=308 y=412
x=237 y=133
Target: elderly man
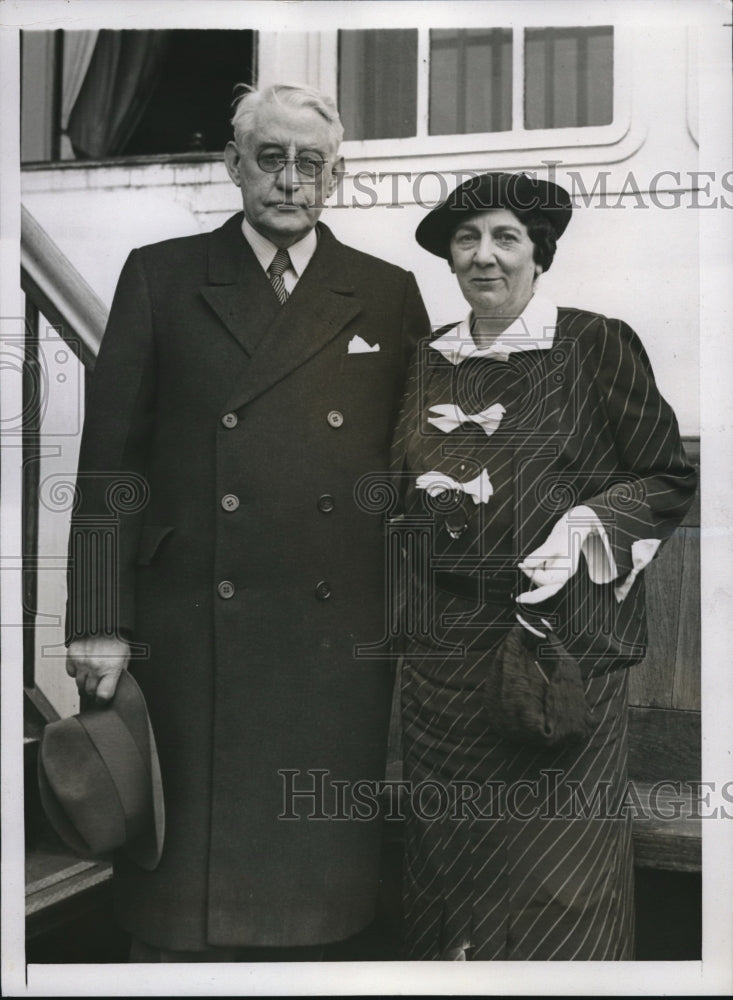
x=247 y=379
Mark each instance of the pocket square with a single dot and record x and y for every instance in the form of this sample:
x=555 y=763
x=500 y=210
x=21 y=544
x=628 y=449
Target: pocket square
x=357 y=345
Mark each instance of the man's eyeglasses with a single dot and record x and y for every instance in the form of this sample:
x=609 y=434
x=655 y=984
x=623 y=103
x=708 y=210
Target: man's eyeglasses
x=307 y=164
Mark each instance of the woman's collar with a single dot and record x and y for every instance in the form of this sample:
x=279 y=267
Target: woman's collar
x=532 y=330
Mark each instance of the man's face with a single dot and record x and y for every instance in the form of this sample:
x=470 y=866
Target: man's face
x=285 y=205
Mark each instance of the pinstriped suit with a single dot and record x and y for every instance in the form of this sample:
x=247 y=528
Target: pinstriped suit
x=584 y=424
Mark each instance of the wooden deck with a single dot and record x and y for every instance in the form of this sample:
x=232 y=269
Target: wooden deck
x=664 y=698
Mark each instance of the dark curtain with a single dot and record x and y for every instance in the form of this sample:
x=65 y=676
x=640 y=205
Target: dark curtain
x=470 y=80
x=568 y=77
x=121 y=77
x=378 y=83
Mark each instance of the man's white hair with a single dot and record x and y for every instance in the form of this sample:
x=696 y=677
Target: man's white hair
x=289 y=94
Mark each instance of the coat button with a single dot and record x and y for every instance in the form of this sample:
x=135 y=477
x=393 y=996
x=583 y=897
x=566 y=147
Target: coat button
x=230 y=420
x=326 y=503
x=323 y=590
x=335 y=418
x=456 y=523
x=225 y=589
x=229 y=501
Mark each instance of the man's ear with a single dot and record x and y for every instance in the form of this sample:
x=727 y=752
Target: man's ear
x=231 y=158
x=338 y=169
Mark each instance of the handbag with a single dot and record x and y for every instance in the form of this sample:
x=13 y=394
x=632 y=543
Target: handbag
x=534 y=692
x=592 y=626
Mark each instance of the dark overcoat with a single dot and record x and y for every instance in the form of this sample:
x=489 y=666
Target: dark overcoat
x=228 y=434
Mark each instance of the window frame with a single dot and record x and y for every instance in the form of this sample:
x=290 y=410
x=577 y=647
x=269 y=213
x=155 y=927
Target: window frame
x=313 y=57
x=54 y=139
x=518 y=137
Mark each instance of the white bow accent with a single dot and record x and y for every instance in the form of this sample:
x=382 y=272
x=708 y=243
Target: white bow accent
x=479 y=489
x=459 y=350
x=450 y=416
x=534 y=330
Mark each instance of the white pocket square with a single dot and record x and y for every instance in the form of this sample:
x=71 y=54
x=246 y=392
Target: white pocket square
x=359 y=346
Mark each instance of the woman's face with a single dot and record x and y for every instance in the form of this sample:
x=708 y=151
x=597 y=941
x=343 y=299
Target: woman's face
x=492 y=257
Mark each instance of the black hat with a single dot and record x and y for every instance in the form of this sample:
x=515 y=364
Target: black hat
x=99 y=779
x=523 y=195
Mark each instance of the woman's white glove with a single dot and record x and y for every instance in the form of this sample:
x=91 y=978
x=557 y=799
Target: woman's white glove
x=553 y=563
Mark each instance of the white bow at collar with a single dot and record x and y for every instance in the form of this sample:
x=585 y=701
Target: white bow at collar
x=533 y=330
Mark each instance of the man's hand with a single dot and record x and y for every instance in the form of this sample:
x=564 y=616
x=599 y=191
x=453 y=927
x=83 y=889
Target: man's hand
x=97 y=663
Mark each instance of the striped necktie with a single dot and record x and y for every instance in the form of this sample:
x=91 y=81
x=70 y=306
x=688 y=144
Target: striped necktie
x=280 y=263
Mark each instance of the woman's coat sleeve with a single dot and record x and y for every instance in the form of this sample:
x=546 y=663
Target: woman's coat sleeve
x=652 y=496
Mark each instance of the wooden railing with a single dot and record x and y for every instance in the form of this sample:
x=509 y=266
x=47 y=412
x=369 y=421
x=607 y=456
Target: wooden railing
x=58 y=886
x=57 y=290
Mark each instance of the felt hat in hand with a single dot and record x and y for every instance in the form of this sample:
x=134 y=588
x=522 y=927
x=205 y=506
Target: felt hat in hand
x=99 y=779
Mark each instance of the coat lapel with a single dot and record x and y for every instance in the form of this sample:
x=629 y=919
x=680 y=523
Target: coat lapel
x=321 y=305
x=238 y=290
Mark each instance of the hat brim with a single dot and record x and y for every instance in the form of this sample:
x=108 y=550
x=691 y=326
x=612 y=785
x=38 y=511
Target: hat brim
x=525 y=196
x=91 y=743
x=147 y=849
x=56 y=815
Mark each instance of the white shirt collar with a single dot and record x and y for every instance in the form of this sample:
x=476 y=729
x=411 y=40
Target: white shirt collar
x=300 y=252
x=532 y=330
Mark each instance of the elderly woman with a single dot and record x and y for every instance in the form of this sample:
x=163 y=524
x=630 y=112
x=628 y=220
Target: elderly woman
x=542 y=469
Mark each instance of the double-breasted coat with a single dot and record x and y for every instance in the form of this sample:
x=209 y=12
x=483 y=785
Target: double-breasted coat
x=229 y=434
